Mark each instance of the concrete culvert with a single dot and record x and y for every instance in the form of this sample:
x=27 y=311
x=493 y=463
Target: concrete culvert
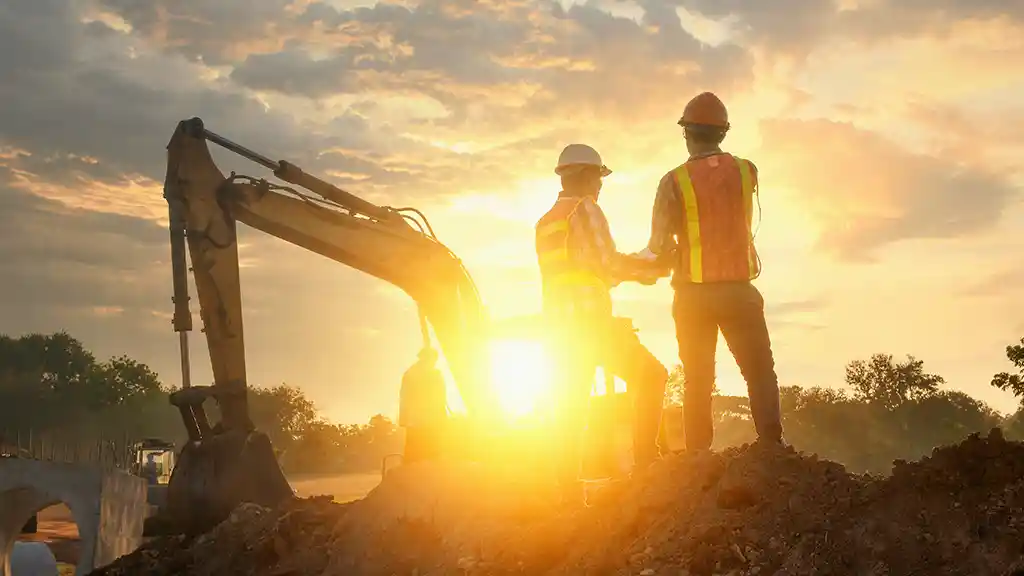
x=101 y=521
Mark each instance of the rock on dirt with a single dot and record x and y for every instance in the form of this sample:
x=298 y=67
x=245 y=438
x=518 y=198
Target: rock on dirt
x=746 y=511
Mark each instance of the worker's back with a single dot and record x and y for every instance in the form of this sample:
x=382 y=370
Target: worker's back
x=716 y=193
x=568 y=283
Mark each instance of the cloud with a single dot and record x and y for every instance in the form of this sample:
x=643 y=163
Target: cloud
x=868 y=192
x=214 y=32
x=90 y=91
x=481 y=59
x=1003 y=283
x=885 y=18
x=794 y=27
x=785 y=25
x=97 y=275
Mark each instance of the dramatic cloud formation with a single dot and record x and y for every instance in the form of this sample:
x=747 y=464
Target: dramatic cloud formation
x=864 y=205
x=887 y=134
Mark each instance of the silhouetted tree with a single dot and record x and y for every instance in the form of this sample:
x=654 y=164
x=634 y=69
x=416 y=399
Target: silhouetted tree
x=676 y=384
x=282 y=412
x=884 y=381
x=891 y=410
x=1013 y=382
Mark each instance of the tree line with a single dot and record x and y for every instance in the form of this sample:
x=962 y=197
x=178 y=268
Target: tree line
x=53 y=388
x=889 y=409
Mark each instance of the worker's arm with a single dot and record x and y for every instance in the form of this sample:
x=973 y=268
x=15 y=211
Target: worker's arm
x=664 y=222
x=591 y=241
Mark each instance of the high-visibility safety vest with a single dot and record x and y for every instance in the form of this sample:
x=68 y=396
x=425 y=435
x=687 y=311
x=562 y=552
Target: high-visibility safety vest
x=716 y=243
x=567 y=284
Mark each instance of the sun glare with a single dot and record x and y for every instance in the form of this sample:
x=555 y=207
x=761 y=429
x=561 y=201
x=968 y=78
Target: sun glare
x=520 y=370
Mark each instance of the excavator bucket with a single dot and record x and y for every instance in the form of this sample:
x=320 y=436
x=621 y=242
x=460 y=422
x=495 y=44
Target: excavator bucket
x=215 y=475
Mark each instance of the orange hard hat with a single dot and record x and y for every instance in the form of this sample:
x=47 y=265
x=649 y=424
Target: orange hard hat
x=705 y=109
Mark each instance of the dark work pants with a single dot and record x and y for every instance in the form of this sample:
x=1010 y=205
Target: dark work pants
x=581 y=347
x=736 y=308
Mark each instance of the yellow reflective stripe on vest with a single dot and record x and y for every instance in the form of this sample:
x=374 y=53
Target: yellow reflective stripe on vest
x=553 y=227
x=692 y=223
x=571 y=277
x=689 y=198
x=748 y=211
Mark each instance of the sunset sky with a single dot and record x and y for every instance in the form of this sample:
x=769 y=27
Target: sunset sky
x=889 y=136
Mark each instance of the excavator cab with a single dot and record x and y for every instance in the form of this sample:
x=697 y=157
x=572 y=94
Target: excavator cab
x=230 y=462
x=153 y=459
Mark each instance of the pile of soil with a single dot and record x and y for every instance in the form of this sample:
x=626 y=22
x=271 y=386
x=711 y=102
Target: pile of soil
x=747 y=510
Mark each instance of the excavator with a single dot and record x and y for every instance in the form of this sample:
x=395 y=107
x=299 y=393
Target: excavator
x=223 y=465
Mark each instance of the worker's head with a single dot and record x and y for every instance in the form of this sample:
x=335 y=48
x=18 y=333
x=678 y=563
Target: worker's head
x=705 y=122
x=581 y=170
x=150 y=457
x=428 y=356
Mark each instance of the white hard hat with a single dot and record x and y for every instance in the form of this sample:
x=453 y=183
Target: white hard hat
x=576 y=155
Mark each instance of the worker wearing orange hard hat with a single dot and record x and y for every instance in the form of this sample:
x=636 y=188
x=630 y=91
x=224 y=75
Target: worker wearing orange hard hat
x=579 y=264
x=701 y=230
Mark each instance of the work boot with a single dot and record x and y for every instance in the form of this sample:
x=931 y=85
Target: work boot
x=772 y=445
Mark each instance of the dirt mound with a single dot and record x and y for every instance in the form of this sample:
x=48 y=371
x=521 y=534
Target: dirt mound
x=749 y=510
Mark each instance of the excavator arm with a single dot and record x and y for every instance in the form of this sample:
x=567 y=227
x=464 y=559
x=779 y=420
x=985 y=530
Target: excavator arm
x=215 y=469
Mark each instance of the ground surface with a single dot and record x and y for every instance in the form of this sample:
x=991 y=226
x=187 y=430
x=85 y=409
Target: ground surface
x=57 y=528
x=344 y=487
x=745 y=511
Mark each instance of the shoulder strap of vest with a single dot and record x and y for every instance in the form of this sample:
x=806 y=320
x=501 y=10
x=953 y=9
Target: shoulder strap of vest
x=556 y=210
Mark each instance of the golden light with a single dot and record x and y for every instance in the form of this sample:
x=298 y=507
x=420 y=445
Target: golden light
x=521 y=372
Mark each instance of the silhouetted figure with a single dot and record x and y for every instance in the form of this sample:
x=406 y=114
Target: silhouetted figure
x=423 y=408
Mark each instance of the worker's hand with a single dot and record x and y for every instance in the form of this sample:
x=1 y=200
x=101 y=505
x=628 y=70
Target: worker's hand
x=644 y=255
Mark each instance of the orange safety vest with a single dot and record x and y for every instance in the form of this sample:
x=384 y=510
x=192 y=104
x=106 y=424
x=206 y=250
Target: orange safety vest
x=716 y=243
x=567 y=284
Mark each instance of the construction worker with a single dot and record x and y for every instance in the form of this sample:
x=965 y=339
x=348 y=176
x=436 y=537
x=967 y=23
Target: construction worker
x=579 y=264
x=701 y=230
x=150 y=470
x=423 y=408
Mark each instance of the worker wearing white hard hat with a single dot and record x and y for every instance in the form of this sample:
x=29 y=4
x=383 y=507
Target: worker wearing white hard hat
x=579 y=264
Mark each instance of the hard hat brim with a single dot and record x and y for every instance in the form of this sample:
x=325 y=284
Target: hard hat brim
x=687 y=124
x=570 y=169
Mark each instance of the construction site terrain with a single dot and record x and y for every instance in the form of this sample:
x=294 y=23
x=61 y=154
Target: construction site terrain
x=747 y=510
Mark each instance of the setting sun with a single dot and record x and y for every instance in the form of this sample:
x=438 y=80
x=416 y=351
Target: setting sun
x=520 y=370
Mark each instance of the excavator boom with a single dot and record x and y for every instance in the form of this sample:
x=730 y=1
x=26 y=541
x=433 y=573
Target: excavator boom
x=231 y=462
